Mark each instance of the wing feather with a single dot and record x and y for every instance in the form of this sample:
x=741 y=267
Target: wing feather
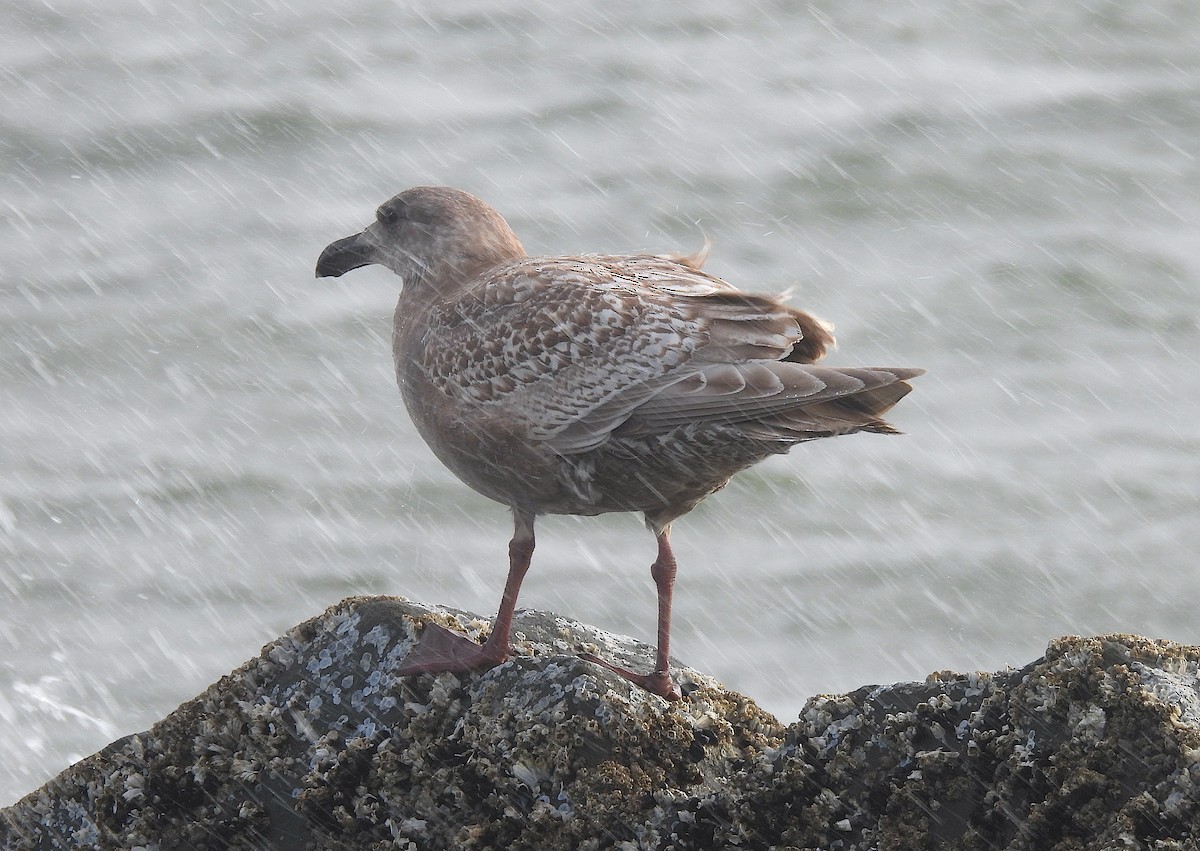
x=769 y=390
x=569 y=350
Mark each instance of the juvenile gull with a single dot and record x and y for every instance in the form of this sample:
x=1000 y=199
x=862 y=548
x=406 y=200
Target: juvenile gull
x=593 y=383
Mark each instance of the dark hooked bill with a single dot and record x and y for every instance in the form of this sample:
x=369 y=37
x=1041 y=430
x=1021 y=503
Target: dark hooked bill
x=340 y=257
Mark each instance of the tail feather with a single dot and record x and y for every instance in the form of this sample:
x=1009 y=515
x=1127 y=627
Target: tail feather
x=862 y=411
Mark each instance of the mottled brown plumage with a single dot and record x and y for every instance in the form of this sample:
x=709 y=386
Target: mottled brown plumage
x=593 y=383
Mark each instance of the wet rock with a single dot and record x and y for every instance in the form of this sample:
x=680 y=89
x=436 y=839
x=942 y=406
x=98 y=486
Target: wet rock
x=316 y=744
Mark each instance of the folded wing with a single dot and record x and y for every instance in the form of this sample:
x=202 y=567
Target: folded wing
x=573 y=350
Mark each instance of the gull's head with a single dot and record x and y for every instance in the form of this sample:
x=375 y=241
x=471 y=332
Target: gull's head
x=428 y=235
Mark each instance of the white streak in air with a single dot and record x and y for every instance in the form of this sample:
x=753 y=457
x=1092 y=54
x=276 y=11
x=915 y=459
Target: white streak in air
x=57 y=709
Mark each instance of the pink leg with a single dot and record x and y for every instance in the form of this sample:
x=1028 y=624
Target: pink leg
x=659 y=681
x=440 y=649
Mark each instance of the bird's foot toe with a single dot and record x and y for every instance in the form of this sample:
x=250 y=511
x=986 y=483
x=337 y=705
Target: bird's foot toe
x=440 y=649
x=656 y=682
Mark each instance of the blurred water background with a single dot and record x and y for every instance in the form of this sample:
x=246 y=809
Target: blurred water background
x=201 y=445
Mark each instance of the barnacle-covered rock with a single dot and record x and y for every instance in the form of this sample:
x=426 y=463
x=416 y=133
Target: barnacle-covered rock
x=316 y=743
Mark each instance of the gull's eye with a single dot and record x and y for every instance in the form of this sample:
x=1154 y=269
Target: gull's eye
x=387 y=215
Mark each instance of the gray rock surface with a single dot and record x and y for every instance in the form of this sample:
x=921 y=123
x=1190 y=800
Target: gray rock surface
x=316 y=744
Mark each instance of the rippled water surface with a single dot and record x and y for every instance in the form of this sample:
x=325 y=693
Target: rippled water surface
x=201 y=444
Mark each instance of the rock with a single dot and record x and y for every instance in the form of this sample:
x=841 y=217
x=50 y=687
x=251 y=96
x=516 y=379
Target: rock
x=316 y=744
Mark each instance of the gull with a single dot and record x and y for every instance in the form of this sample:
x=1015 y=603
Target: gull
x=592 y=383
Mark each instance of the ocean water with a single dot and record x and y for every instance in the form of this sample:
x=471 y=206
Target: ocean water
x=201 y=445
